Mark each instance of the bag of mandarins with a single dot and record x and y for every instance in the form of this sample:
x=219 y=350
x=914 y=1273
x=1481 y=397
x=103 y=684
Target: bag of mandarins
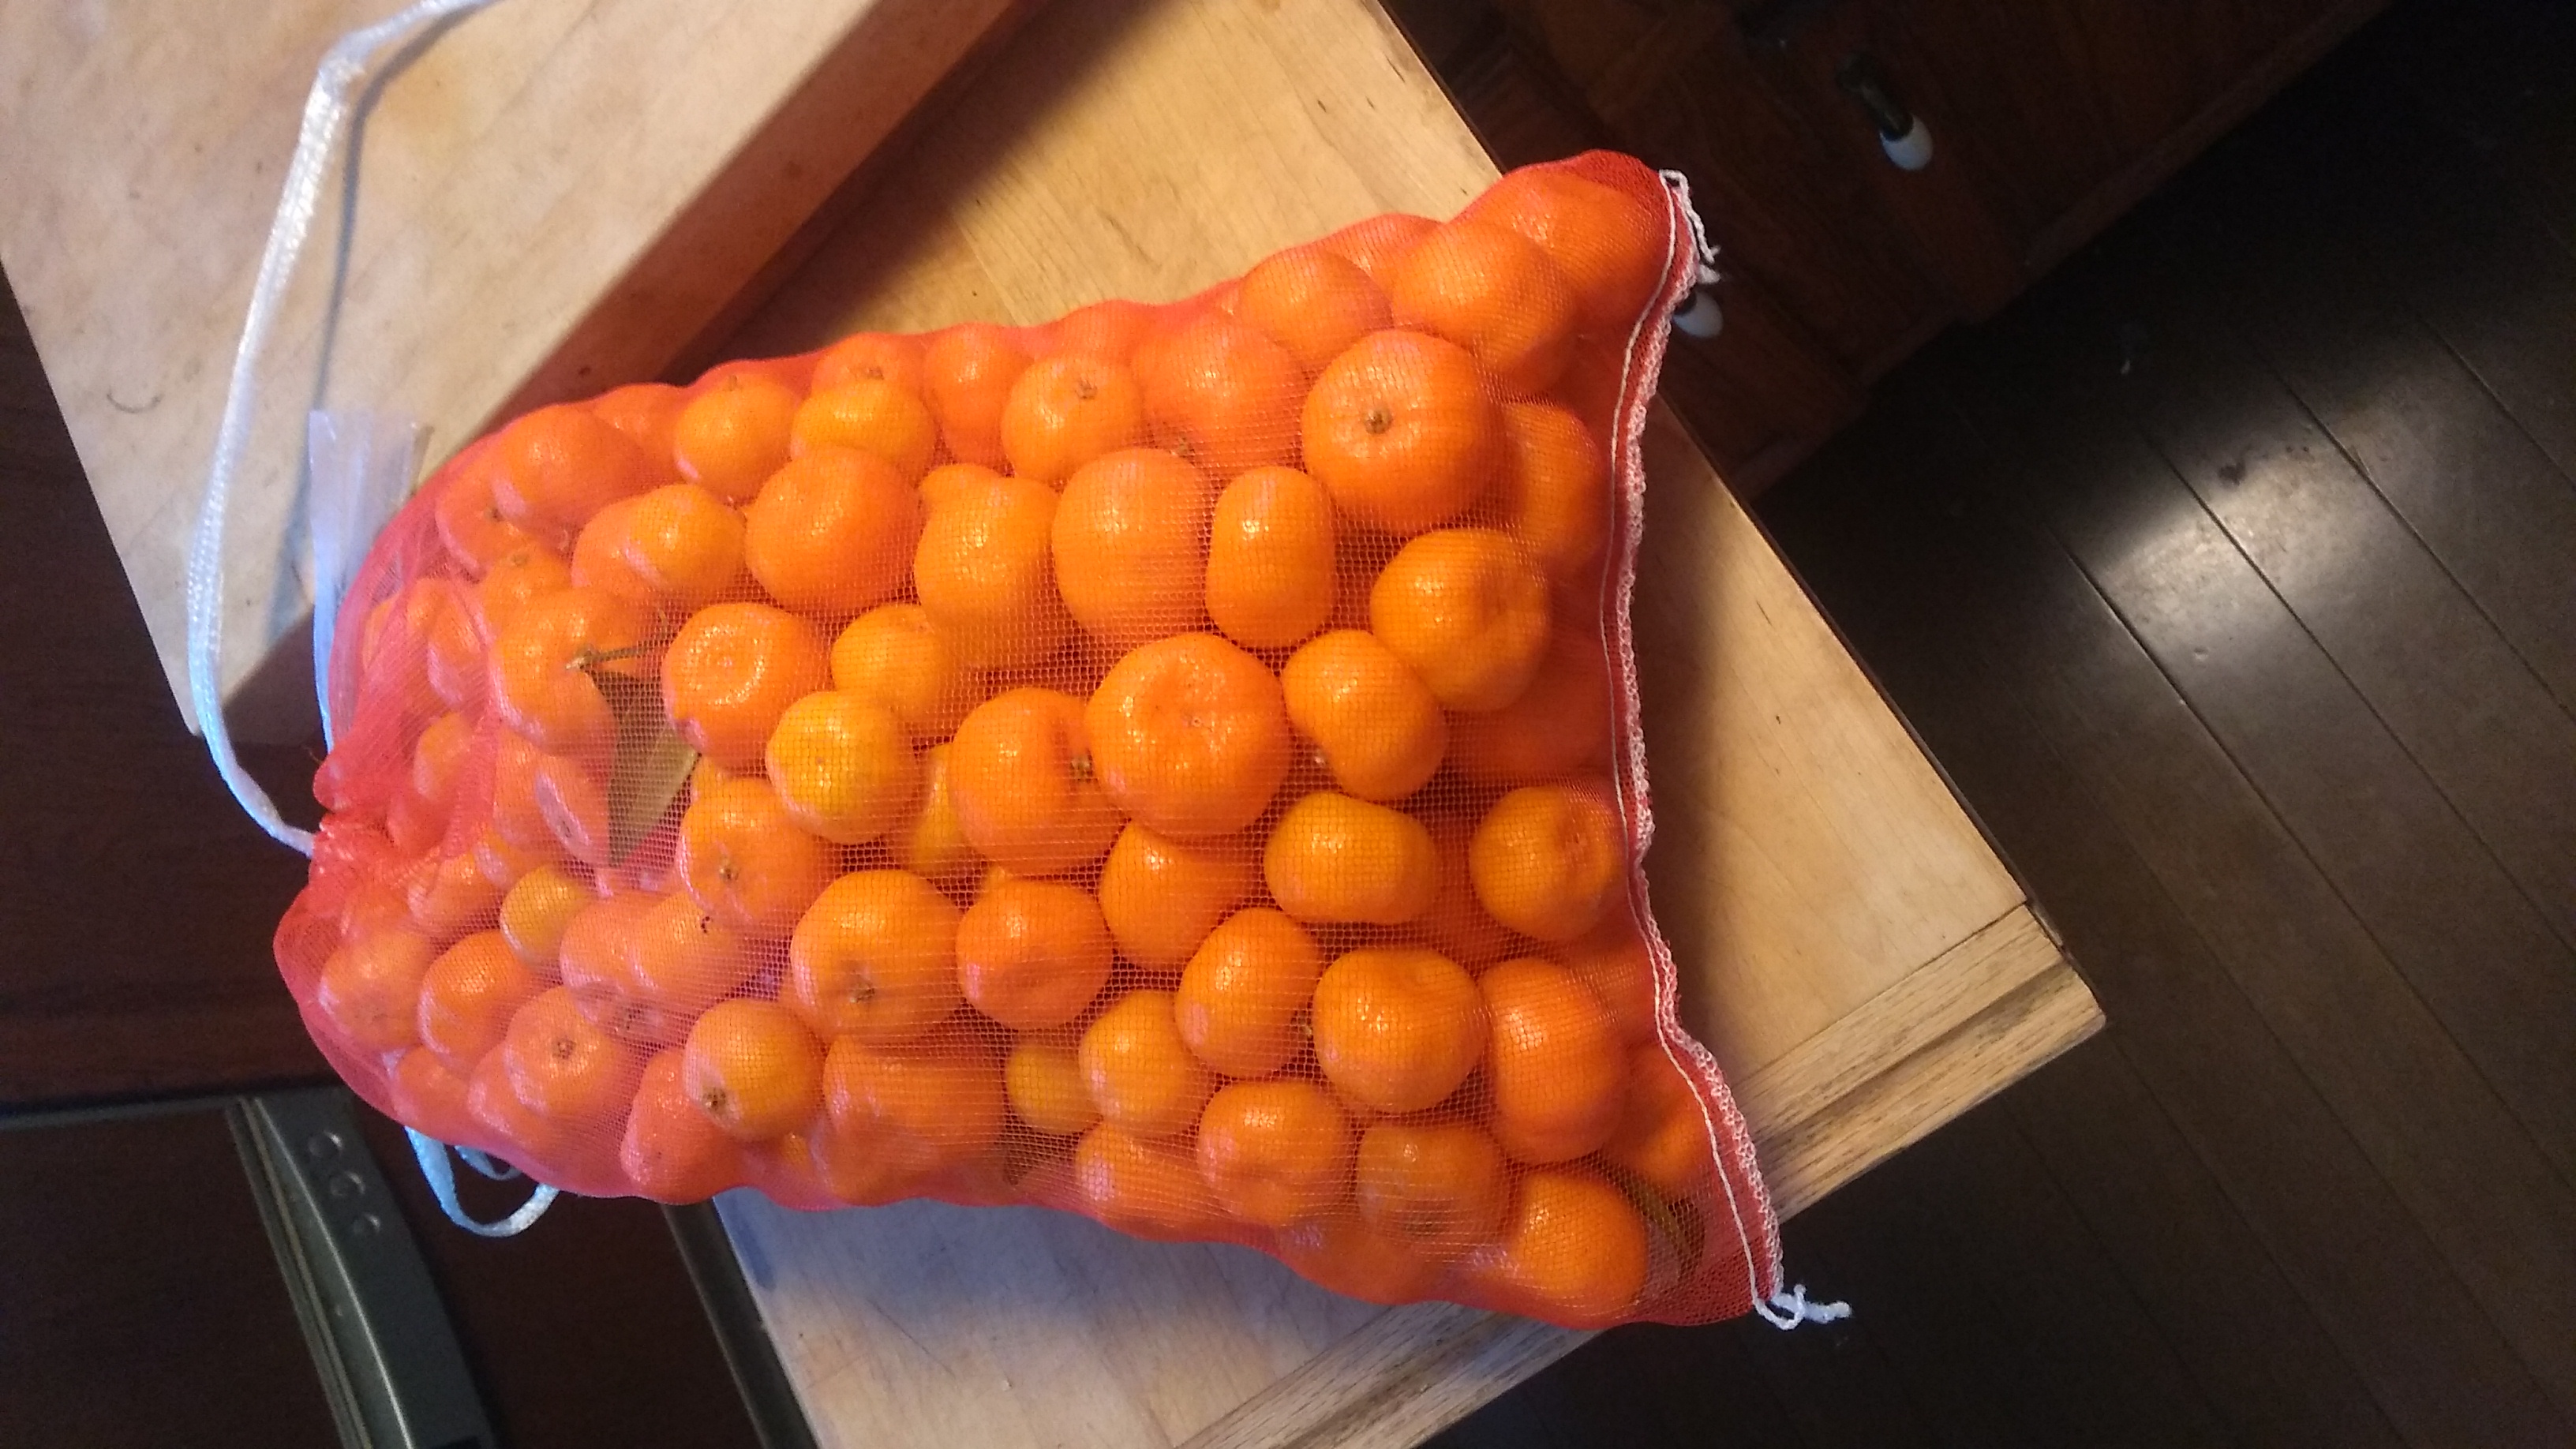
x=1177 y=764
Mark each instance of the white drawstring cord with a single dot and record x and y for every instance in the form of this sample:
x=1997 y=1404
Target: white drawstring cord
x=326 y=112
x=1788 y=1310
x=432 y=1156
x=1700 y=317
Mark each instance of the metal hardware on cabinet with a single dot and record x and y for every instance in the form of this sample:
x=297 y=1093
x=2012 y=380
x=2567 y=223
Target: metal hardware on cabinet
x=1901 y=133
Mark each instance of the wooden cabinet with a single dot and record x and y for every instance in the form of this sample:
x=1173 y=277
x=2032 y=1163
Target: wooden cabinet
x=2046 y=118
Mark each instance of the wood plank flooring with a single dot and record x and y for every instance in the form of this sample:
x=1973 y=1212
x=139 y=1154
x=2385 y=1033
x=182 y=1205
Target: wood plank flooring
x=2231 y=575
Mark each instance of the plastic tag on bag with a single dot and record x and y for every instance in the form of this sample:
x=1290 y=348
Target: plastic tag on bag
x=360 y=466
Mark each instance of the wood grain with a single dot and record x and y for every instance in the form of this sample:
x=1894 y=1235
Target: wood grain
x=505 y=246
x=2138 y=836
x=1808 y=860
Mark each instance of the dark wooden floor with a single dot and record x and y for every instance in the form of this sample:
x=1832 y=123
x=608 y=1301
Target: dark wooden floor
x=2232 y=577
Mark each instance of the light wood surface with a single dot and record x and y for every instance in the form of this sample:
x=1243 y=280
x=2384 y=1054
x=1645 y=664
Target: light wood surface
x=556 y=195
x=1863 y=966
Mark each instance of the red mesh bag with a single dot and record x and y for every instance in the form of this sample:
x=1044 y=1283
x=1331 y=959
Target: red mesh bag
x=1179 y=764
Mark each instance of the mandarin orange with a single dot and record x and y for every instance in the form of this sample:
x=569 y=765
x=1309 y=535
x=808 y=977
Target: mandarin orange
x=1243 y=996
x=1397 y=1028
x=875 y=958
x=1468 y=610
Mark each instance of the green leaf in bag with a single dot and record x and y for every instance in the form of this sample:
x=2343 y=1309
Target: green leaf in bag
x=650 y=763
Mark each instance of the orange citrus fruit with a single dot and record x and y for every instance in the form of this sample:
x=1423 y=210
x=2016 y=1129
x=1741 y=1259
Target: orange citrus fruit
x=1275 y=1152
x=648 y=413
x=535 y=911
x=1068 y=410
x=1558 y=725
x=733 y=435
x=1161 y=896
x=1245 y=991
x=369 y=990
x=894 y=655
x=1367 y=713
x=967 y=373
x=1225 y=397
x=1401 y=429
x=1458 y=925
x=672 y=1151
x=1554 y=488
x=750 y=865
x=575 y=808
x=1189 y=735
x=559 y=465
x=1494 y=293
x=986 y=575
x=1397 y=1028
x=1106 y=330
x=832 y=533
x=468 y=996
x=1142 y=1186
x=686 y=543
x=540 y=679
x=1573 y=1250
x=1439 y=1186
x=731 y=674
x=438 y=756
x=1613 y=962
x=1343 y=1253
x=679 y=960
x=1468 y=610
x=1380 y=243
x=430 y=1097
x=1032 y=954
x=1143 y=1079
x=872 y=416
x=454 y=896
x=950 y=482
x=1611 y=249
x=1553 y=1061
x=1663 y=1136
x=1312 y=301
x=932 y=844
x=469 y=522
x=875 y=958
x=1333 y=858
x=1129 y=540
x=599 y=553
x=753 y=1069
x=1020 y=770
x=870 y=357
x=1548 y=860
x=1270 y=558
x=514 y=578
x=493 y=1102
x=843 y=766
x=1042 y=1079
x=906 y=1111
x=515 y=816
x=563 y=1067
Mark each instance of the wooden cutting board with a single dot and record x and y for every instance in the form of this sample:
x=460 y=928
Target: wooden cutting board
x=556 y=195
x=1853 y=951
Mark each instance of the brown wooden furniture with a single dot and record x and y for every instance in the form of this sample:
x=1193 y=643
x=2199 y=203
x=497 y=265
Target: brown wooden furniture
x=2047 y=118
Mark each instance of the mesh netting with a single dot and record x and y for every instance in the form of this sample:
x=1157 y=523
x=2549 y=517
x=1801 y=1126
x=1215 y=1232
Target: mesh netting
x=1176 y=764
